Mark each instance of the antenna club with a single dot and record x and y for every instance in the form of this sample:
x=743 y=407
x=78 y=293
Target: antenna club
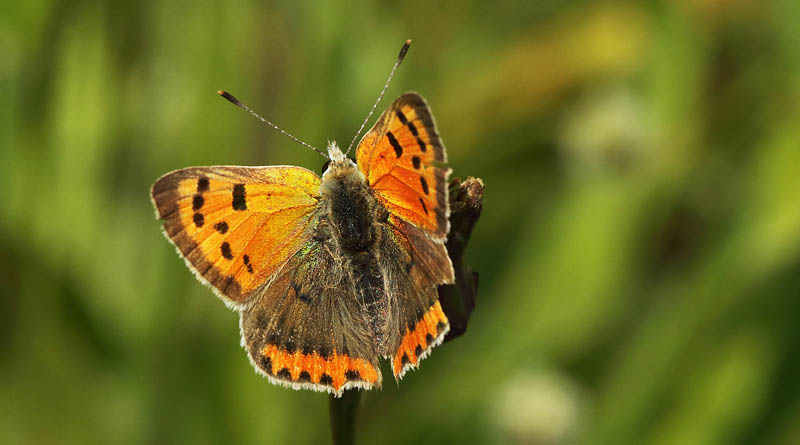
x=229 y=97
x=404 y=50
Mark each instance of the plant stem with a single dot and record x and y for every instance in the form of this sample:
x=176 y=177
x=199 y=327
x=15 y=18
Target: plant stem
x=342 y=412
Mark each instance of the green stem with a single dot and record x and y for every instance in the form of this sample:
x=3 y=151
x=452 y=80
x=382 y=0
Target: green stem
x=342 y=412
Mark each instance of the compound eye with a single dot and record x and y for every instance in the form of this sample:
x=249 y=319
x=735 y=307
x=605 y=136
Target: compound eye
x=325 y=166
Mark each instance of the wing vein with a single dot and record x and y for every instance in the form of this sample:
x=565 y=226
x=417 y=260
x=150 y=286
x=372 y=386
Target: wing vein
x=422 y=195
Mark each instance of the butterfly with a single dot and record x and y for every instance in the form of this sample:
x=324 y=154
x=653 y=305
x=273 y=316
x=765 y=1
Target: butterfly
x=329 y=273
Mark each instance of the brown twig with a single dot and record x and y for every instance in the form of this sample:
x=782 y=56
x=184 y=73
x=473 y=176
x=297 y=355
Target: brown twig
x=458 y=299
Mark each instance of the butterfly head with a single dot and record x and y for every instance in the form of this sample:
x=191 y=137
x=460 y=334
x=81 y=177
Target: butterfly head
x=340 y=168
x=334 y=152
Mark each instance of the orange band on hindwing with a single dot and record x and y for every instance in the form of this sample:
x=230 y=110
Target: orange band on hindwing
x=417 y=342
x=335 y=371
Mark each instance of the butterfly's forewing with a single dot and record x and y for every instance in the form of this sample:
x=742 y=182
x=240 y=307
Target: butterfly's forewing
x=400 y=157
x=235 y=226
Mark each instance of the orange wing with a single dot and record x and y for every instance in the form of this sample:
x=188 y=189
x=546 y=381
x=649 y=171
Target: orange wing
x=398 y=157
x=236 y=226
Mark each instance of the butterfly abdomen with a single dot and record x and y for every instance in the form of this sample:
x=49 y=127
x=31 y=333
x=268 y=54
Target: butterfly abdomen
x=371 y=293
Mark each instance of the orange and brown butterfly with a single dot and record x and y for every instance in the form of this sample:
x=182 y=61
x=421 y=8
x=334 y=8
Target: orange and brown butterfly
x=328 y=274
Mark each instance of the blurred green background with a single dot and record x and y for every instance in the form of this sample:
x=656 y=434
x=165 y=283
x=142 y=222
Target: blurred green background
x=639 y=250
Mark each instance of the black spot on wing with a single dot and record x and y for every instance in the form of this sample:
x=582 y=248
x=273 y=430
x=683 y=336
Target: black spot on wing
x=239 y=202
x=246 y=260
x=198 y=219
x=402 y=117
x=416 y=161
x=304 y=297
x=398 y=149
x=325 y=379
x=304 y=377
x=266 y=364
x=285 y=373
x=197 y=202
x=352 y=375
x=202 y=184
x=424 y=207
x=422 y=145
x=418 y=350
x=221 y=227
x=424 y=184
x=413 y=129
x=225 y=248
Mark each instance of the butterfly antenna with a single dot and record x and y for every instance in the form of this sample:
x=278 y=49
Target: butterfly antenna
x=400 y=58
x=236 y=102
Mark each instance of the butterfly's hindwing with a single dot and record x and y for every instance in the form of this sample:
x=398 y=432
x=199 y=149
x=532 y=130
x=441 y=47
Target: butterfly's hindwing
x=307 y=329
x=414 y=265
